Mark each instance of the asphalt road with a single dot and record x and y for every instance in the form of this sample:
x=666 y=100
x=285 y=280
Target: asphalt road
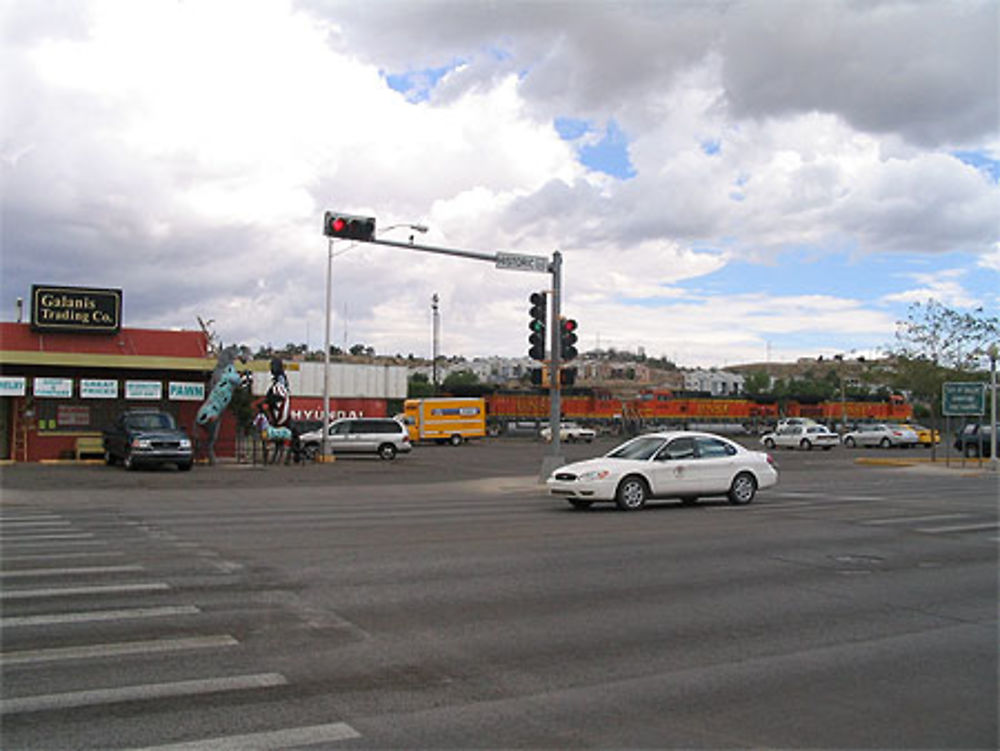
x=443 y=601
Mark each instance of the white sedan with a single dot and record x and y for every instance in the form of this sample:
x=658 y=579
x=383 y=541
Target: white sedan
x=677 y=464
x=804 y=437
x=881 y=435
x=568 y=431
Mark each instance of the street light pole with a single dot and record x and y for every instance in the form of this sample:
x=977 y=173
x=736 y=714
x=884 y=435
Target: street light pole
x=326 y=339
x=992 y=351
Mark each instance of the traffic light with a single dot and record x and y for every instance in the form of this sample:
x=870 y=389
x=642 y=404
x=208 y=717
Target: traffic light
x=348 y=227
x=536 y=325
x=567 y=338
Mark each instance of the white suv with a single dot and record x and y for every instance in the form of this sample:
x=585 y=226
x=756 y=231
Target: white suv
x=360 y=435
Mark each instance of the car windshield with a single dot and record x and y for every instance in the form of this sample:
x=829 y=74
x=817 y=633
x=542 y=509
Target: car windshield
x=152 y=421
x=640 y=449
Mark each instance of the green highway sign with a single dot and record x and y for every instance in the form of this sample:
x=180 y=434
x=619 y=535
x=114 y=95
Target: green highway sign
x=963 y=399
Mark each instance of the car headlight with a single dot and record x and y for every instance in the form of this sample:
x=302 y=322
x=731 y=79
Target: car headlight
x=597 y=474
x=185 y=443
x=141 y=443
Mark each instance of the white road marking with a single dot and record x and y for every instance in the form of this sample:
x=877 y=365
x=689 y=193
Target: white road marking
x=36 y=538
x=22 y=544
x=268 y=741
x=908 y=519
x=89 y=651
x=140 y=692
x=59 y=556
x=98 y=615
x=27 y=594
x=960 y=528
x=76 y=571
x=23 y=524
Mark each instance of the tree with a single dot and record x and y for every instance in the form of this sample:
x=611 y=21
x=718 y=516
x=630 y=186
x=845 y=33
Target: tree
x=937 y=344
x=419 y=386
x=945 y=337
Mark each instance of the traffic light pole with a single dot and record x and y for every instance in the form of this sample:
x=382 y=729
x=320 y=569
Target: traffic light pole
x=555 y=458
x=516 y=262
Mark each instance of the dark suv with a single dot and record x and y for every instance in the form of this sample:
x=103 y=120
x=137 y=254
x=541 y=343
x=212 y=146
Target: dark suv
x=974 y=440
x=147 y=437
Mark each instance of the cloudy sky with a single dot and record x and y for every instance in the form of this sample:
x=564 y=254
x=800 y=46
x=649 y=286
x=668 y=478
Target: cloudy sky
x=726 y=181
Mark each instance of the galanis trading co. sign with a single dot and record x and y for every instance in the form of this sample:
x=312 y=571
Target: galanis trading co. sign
x=75 y=310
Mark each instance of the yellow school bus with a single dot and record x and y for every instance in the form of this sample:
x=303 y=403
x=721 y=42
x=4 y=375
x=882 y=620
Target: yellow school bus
x=445 y=419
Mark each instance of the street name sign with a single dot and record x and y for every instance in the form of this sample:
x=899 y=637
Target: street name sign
x=519 y=262
x=963 y=399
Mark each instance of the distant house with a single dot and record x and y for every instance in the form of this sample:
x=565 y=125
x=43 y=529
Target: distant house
x=715 y=382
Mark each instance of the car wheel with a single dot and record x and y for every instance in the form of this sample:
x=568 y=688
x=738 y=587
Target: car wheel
x=850 y=443
x=806 y=445
x=769 y=443
x=743 y=489
x=456 y=440
x=885 y=443
x=184 y=466
x=971 y=451
x=580 y=505
x=310 y=451
x=128 y=462
x=632 y=494
x=387 y=451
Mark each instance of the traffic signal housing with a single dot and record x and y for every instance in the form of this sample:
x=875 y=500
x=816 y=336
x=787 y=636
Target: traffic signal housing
x=536 y=325
x=349 y=227
x=567 y=339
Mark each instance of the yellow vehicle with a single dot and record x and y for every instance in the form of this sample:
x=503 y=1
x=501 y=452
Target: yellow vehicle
x=926 y=436
x=444 y=419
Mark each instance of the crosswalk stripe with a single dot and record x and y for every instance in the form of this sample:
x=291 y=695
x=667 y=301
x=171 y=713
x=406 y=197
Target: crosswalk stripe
x=76 y=571
x=909 y=519
x=61 y=556
x=140 y=692
x=27 y=594
x=7 y=539
x=89 y=651
x=267 y=741
x=89 y=616
x=960 y=528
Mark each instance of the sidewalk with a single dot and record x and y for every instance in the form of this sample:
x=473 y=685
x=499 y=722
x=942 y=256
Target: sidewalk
x=953 y=464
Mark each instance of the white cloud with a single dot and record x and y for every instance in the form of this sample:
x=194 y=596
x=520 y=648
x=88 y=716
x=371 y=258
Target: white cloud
x=191 y=166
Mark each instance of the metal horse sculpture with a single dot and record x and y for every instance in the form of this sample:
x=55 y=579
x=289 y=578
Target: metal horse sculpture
x=225 y=380
x=282 y=438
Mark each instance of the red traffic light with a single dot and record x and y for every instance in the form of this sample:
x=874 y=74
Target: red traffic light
x=348 y=227
x=568 y=325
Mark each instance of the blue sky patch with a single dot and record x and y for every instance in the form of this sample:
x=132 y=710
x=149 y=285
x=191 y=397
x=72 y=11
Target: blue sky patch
x=608 y=155
x=978 y=159
x=418 y=84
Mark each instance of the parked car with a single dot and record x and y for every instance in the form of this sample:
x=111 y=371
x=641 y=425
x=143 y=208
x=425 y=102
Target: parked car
x=974 y=440
x=787 y=422
x=147 y=438
x=677 y=464
x=568 y=431
x=360 y=435
x=926 y=437
x=882 y=435
x=804 y=437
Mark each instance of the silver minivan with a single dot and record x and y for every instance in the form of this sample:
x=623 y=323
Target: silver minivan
x=360 y=435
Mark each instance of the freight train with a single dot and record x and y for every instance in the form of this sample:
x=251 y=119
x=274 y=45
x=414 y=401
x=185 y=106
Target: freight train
x=660 y=407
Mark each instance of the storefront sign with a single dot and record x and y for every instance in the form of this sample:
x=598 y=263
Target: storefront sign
x=75 y=310
x=144 y=390
x=98 y=389
x=186 y=392
x=72 y=416
x=12 y=385
x=55 y=388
